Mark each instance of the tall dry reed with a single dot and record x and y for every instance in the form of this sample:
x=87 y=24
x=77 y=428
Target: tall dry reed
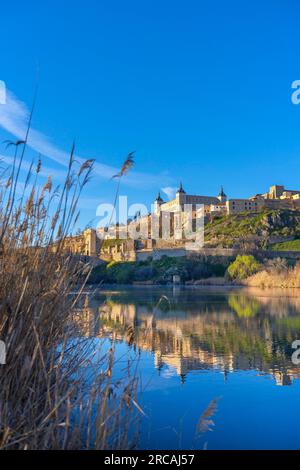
x=276 y=276
x=53 y=393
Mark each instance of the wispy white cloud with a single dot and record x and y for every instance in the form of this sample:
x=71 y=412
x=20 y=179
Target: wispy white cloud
x=14 y=117
x=170 y=191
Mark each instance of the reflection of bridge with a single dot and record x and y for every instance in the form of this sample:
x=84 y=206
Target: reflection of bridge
x=206 y=336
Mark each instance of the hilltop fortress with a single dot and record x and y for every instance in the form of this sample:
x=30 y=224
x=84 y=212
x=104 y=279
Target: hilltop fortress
x=276 y=198
x=150 y=230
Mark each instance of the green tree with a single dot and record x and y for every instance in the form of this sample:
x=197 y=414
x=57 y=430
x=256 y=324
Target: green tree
x=242 y=267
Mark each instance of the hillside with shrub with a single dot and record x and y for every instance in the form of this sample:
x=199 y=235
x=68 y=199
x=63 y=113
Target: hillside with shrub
x=253 y=230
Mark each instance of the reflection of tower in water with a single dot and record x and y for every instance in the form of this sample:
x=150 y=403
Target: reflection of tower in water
x=282 y=378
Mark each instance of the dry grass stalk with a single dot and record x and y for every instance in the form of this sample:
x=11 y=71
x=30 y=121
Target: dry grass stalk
x=273 y=278
x=46 y=399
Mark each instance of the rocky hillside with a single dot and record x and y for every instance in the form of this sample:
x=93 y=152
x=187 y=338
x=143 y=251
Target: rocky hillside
x=256 y=230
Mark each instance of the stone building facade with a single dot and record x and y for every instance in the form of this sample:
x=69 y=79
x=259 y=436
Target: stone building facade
x=276 y=198
x=171 y=222
x=85 y=243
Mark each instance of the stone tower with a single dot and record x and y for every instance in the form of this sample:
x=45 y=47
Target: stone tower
x=181 y=195
x=222 y=196
x=157 y=203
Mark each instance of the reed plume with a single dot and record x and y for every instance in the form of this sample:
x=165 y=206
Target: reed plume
x=53 y=393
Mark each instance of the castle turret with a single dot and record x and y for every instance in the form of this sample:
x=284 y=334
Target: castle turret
x=180 y=190
x=158 y=202
x=181 y=196
x=222 y=196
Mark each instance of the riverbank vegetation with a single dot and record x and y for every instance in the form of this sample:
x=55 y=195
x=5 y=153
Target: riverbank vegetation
x=159 y=271
x=202 y=270
x=282 y=275
x=242 y=267
x=54 y=392
x=271 y=273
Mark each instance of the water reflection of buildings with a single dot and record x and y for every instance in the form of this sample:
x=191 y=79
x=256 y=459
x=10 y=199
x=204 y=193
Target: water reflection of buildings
x=209 y=336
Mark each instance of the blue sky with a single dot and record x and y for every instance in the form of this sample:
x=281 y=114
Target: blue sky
x=200 y=90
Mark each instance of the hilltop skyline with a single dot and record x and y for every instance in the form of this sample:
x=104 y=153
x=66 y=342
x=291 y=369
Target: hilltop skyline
x=199 y=97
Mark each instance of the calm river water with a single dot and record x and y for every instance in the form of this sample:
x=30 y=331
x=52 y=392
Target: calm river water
x=215 y=365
